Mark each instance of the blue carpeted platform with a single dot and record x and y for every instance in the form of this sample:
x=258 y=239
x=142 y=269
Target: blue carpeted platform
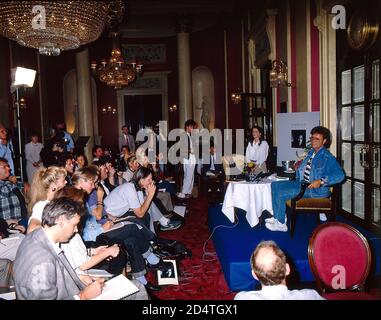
x=235 y=243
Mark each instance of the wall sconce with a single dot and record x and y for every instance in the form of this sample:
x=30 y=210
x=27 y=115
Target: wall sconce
x=278 y=75
x=173 y=108
x=109 y=109
x=22 y=103
x=236 y=97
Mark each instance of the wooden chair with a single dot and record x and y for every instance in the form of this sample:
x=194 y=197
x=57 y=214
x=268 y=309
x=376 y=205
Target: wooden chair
x=299 y=205
x=340 y=260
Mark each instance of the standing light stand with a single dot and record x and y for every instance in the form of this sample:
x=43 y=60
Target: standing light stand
x=21 y=78
x=18 y=117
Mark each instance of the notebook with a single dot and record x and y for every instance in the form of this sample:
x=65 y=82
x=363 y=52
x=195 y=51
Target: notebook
x=180 y=210
x=117 y=288
x=98 y=273
x=8 y=296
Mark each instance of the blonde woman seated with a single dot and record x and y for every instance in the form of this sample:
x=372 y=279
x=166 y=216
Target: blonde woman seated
x=46 y=182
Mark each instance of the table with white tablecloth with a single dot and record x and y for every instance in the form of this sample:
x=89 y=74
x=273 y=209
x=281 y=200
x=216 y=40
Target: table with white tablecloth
x=251 y=197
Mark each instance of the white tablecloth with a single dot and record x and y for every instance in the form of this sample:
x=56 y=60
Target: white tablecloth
x=251 y=197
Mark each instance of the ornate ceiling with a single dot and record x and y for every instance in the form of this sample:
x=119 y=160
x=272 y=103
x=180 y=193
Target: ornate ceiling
x=158 y=18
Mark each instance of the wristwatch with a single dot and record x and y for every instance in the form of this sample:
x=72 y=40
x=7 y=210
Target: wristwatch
x=322 y=182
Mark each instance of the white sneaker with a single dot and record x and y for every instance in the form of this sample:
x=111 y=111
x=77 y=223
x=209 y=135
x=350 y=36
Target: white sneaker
x=323 y=217
x=209 y=190
x=218 y=190
x=180 y=195
x=277 y=226
x=270 y=220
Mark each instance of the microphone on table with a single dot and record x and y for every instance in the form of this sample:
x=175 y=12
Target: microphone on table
x=259 y=176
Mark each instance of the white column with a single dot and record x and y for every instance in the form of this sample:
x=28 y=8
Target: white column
x=185 y=83
x=327 y=44
x=271 y=32
x=85 y=111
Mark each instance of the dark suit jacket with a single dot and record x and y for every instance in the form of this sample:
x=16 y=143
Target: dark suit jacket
x=39 y=273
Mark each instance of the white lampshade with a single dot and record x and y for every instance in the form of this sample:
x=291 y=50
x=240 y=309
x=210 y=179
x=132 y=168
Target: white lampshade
x=22 y=77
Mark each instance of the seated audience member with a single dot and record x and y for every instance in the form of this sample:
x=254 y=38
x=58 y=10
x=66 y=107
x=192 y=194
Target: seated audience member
x=319 y=170
x=257 y=150
x=32 y=156
x=269 y=267
x=132 y=166
x=11 y=201
x=6 y=151
x=66 y=161
x=41 y=270
x=121 y=159
x=104 y=182
x=162 y=199
x=108 y=258
x=80 y=161
x=135 y=239
x=107 y=151
x=112 y=179
x=162 y=180
x=8 y=247
x=129 y=199
x=46 y=182
x=51 y=151
x=212 y=173
x=97 y=152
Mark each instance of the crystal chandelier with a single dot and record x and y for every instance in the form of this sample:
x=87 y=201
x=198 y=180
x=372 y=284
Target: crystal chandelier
x=53 y=26
x=117 y=72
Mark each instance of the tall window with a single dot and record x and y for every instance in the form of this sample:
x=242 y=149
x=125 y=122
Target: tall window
x=359 y=132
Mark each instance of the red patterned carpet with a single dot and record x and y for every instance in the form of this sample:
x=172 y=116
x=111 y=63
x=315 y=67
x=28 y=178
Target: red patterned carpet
x=199 y=279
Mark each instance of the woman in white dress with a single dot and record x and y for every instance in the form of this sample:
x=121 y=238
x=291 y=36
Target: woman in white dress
x=45 y=184
x=32 y=156
x=257 y=150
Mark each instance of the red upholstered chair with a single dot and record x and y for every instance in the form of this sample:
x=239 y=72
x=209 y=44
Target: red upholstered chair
x=340 y=258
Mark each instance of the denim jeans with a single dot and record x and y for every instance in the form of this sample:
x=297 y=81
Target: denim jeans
x=281 y=191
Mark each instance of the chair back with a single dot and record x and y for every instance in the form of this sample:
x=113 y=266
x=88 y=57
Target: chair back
x=239 y=161
x=339 y=257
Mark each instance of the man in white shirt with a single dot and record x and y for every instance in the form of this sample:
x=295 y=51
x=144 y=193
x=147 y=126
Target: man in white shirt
x=269 y=267
x=189 y=163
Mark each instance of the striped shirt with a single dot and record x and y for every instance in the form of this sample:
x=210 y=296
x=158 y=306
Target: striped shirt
x=307 y=171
